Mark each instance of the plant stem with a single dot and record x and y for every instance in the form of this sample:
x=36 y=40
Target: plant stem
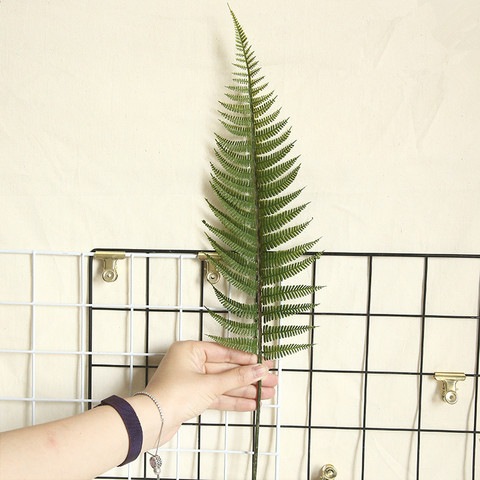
x=256 y=432
x=259 y=234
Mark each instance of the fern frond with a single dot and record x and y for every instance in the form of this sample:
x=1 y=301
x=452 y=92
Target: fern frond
x=240 y=228
x=256 y=82
x=287 y=292
x=279 y=351
x=271 y=131
x=251 y=183
x=267 y=161
x=236 y=107
x=258 y=100
x=277 y=312
x=240 y=343
x=242 y=310
x=270 y=206
x=277 y=221
x=277 y=332
x=236 y=170
x=237 y=328
x=232 y=156
x=245 y=249
x=274 y=239
x=278 y=274
x=260 y=110
x=234 y=198
x=266 y=121
x=238 y=262
x=281 y=257
x=236 y=119
x=257 y=90
x=240 y=214
x=274 y=173
x=272 y=189
x=240 y=131
x=232 y=181
x=238 y=146
x=245 y=283
x=270 y=145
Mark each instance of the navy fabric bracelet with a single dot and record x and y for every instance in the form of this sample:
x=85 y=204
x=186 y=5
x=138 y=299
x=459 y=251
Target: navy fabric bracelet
x=132 y=424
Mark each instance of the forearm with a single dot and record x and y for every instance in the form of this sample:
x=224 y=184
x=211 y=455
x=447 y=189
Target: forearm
x=79 y=447
x=192 y=377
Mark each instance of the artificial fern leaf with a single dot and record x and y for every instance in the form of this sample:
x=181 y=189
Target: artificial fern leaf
x=242 y=282
x=276 y=332
x=238 y=328
x=251 y=182
x=280 y=237
x=271 y=174
x=277 y=221
x=233 y=242
x=243 y=310
x=288 y=292
x=269 y=206
x=277 y=312
x=279 y=351
x=278 y=274
x=237 y=262
x=272 y=189
x=239 y=343
x=289 y=255
x=266 y=161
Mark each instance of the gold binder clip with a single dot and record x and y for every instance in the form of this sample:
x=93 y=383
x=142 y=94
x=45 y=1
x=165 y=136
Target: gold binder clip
x=109 y=273
x=211 y=273
x=449 y=380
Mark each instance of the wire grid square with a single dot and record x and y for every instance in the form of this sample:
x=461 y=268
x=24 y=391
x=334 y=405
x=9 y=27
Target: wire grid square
x=130 y=331
x=437 y=330
x=43 y=331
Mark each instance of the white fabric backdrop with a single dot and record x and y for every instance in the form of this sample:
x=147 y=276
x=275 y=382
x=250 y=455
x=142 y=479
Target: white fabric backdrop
x=108 y=110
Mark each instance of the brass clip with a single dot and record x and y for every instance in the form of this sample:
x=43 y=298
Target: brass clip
x=211 y=273
x=328 y=472
x=109 y=273
x=449 y=380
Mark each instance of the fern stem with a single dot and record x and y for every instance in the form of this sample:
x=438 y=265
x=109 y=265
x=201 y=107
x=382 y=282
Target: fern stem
x=256 y=432
x=258 y=225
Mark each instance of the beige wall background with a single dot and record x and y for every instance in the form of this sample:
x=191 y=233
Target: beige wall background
x=107 y=114
x=108 y=109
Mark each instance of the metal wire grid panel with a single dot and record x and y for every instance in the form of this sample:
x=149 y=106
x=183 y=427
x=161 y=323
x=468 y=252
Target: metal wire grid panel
x=159 y=312
x=364 y=399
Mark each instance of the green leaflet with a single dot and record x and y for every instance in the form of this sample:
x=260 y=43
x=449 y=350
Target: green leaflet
x=277 y=274
x=287 y=292
x=239 y=343
x=279 y=351
x=237 y=328
x=283 y=331
x=252 y=186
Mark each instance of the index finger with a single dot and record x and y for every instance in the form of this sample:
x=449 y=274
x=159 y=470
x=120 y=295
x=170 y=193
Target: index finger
x=216 y=353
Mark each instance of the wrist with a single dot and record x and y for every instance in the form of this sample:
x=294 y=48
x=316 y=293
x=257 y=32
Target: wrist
x=151 y=421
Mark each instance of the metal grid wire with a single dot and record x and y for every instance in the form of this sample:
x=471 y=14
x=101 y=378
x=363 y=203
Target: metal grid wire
x=138 y=360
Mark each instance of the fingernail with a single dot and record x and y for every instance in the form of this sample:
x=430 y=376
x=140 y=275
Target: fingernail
x=260 y=370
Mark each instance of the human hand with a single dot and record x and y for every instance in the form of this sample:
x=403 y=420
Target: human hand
x=195 y=376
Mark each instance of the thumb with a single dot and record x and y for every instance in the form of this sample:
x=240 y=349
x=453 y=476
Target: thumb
x=240 y=377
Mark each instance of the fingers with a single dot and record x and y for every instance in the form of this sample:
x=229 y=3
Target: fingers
x=234 y=404
x=251 y=392
x=237 y=377
x=222 y=367
x=242 y=401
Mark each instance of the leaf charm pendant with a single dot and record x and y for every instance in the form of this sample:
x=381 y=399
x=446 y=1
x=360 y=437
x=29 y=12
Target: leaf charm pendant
x=156 y=464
